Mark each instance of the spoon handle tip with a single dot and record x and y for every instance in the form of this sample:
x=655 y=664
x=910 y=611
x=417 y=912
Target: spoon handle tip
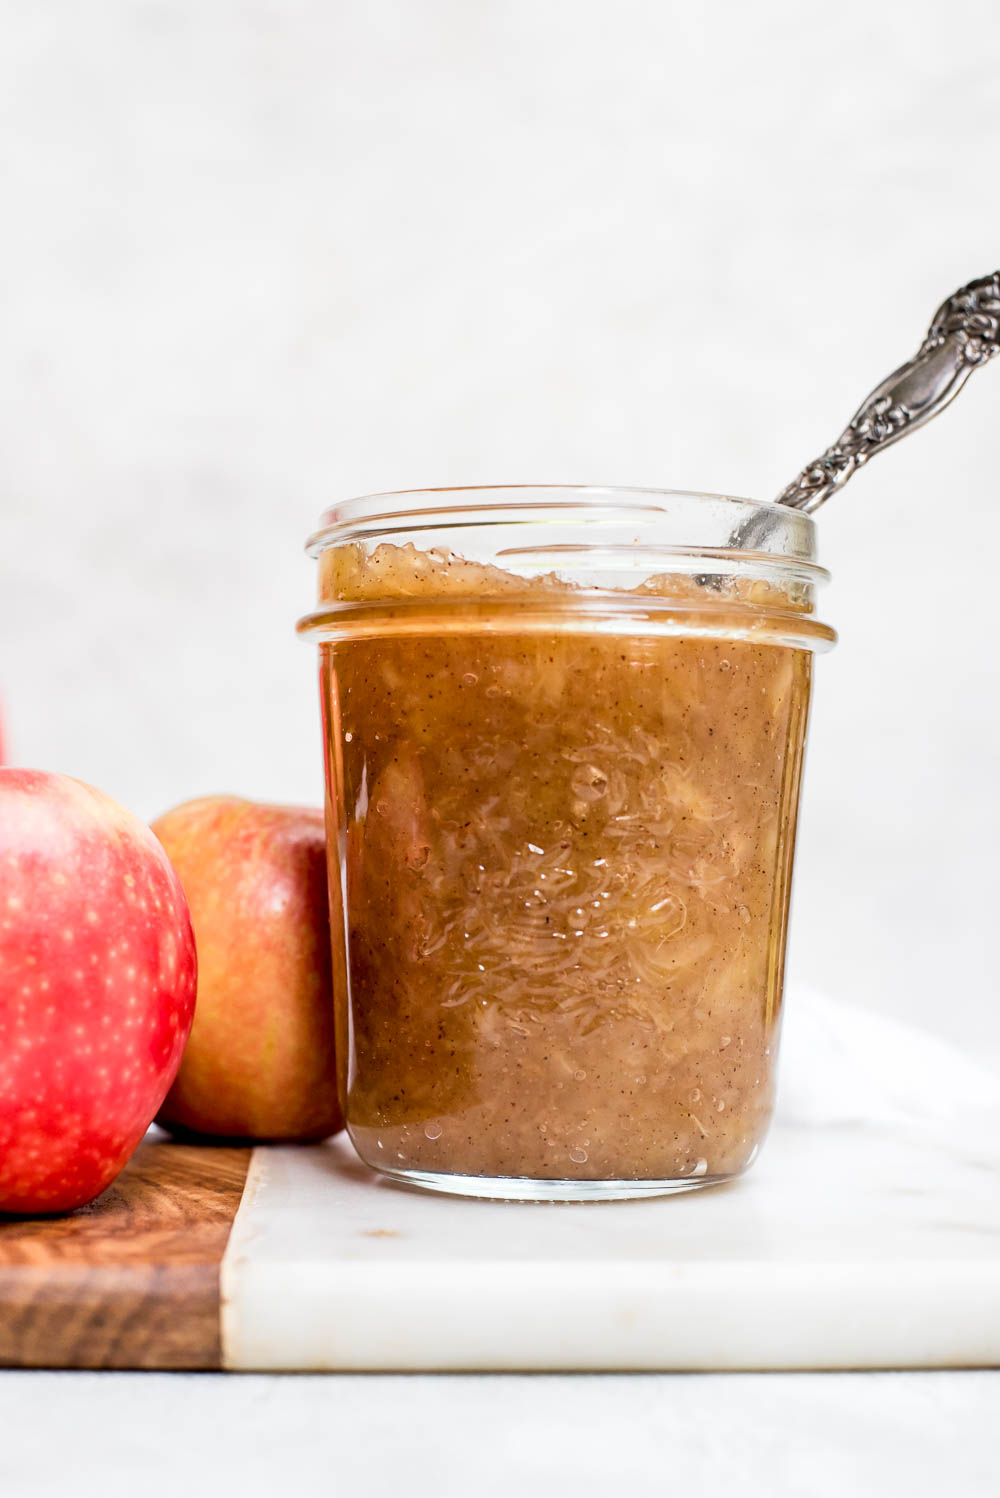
x=964 y=334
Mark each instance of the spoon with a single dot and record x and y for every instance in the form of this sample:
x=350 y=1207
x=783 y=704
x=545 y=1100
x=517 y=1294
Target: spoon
x=964 y=334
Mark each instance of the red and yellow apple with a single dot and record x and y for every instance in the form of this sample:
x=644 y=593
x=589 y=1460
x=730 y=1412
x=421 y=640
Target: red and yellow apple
x=97 y=988
x=260 y=1060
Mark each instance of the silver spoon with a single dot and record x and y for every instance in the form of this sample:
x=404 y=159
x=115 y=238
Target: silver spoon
x=964 y=334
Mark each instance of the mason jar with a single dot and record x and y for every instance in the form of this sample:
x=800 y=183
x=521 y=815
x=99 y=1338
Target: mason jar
x=564 y=731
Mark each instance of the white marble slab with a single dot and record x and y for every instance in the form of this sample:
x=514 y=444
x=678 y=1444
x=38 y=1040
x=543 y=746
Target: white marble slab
x=847 y=1246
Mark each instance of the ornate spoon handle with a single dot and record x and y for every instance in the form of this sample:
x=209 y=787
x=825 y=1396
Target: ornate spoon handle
x=965 y=333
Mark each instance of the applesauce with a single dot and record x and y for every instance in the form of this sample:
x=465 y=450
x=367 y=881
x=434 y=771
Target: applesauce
x=563 y=782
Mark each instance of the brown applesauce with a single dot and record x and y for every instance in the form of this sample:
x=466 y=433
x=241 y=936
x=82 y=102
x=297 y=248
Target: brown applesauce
x=566 y=853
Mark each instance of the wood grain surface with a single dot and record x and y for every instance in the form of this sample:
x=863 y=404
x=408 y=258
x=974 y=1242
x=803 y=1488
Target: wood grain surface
x=131 y=1281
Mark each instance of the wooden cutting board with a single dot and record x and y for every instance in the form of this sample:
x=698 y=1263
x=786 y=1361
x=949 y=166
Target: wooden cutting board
x=131 y=1281
x=847 y=1246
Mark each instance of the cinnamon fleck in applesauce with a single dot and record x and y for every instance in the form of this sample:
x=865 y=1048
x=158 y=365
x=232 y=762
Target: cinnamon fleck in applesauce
x=568 y=849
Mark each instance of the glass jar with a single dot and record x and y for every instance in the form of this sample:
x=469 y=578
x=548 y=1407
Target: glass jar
x=564 y=731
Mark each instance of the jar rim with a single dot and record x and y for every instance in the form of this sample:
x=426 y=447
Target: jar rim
x=791 y=532
x=606 y=542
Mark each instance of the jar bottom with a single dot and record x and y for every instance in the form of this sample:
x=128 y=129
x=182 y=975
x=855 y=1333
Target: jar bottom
x=528 y=1189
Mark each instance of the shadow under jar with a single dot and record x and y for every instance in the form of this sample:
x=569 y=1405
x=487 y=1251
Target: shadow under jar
x=564 y=731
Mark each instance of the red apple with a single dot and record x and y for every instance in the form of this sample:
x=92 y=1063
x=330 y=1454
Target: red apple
x=97 y=987
x=260 y=1061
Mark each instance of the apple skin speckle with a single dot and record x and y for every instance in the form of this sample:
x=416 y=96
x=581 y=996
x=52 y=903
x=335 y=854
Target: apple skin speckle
x=97 y=988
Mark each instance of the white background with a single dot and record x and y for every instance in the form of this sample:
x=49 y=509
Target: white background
x=871 y=1435
x=257 y=256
